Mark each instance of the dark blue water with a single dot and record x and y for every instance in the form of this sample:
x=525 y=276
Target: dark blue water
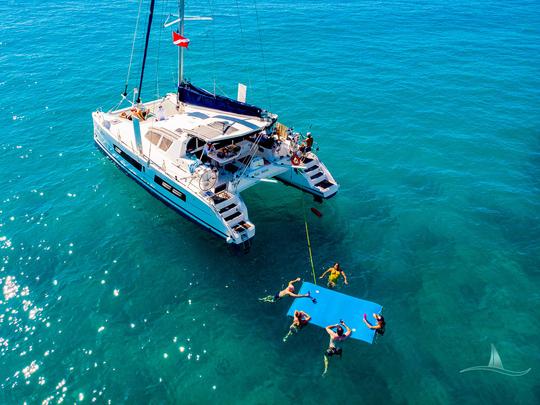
x=427 y=113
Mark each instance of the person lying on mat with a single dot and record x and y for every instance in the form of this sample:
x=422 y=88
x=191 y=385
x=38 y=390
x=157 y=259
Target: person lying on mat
x=289 y=290
x=335 y=271
x=300 y=320
x=379 y=327
x=334 y=347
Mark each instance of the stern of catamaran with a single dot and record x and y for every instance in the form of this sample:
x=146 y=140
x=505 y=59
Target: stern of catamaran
x=305 y=170
x=269 y=150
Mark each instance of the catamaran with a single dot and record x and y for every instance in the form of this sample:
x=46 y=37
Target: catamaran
x=197 y=151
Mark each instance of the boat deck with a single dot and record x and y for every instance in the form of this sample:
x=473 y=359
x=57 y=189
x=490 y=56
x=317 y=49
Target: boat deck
x=204 y=123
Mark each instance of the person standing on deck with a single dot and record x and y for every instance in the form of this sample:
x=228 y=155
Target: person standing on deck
x=308 y=143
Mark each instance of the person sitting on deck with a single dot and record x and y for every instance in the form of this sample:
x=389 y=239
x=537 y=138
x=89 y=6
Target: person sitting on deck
x=335 y=341
x=335 y=272
x=296 y=139
x=289 y=290
x=132 y=111
x=300 y=320
x=140 y=114
x=379 y=327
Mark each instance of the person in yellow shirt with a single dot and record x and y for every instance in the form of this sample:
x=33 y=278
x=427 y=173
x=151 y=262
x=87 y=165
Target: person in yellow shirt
x=335 y=272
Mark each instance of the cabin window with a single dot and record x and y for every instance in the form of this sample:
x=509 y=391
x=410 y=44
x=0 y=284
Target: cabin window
x=165 y=144
x=153 y=137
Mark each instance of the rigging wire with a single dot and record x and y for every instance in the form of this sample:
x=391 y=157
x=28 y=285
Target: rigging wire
x=124 y=97
x=132 y=48
x=262 y=55
x=251 y=153
x=221 y=90
x=161 y=28
x=242 y=39
x=146 y=42
x=213 y=41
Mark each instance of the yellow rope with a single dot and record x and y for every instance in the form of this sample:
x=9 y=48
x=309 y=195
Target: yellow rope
x=308 y=242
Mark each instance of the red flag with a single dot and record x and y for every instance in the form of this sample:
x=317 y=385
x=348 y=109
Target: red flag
x=179 y=40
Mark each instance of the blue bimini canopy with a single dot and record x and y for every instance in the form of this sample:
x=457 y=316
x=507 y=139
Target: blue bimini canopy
x=191 y=94
x=332 y=306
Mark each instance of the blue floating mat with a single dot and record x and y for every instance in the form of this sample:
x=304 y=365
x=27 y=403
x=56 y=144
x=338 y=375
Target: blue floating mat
x=332 y=306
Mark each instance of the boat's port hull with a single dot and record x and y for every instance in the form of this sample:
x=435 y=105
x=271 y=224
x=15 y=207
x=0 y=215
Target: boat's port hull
x=182 y=201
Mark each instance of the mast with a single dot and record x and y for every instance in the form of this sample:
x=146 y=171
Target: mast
x=150 y=17
x=181 y=11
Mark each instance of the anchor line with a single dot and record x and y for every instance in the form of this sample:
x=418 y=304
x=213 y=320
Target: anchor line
x=308 y=241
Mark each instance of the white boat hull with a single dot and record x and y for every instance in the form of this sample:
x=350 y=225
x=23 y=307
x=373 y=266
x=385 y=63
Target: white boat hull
x=207 y=192
x=189 y=206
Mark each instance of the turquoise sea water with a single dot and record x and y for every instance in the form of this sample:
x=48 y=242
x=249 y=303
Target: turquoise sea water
x=428 y=115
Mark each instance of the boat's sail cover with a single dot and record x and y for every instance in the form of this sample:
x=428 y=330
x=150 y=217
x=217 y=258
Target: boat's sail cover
x=191 y=94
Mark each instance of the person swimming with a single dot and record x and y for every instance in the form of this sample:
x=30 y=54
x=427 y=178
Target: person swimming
x=336 y=338
x=289 y=290
x=380 y=327
x=335 y=272
x=300 y=320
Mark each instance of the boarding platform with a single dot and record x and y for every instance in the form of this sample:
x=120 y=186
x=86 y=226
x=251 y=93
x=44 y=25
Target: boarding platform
x=332 y=306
